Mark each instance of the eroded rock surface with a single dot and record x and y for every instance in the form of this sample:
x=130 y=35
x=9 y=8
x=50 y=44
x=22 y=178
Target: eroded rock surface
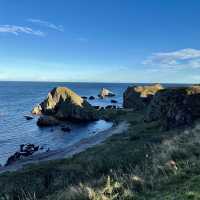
x=175 y=107
x=138 y=97
x=63 y=103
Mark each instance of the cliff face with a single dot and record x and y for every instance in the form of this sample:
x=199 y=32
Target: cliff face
x=63 y=103
x=137 y=97
x=175 y=107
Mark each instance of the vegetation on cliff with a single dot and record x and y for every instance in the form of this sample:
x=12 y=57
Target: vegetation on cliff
x=143 y=163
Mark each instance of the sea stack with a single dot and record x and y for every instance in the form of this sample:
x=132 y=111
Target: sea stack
x=105 y=93
x=62 y=103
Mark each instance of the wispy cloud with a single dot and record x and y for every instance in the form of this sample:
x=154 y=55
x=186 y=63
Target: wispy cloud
x=46 y=24
x=184 y=58
x=16 y=30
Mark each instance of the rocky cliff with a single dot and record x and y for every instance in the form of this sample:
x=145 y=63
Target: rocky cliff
x=63 y=103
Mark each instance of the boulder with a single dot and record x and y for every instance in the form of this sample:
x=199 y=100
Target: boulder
x=138 y=97
x=96 y=107
x=63 y=103
x=105 y=93
x=175 y=107
x=25 y=150
x=28 y=117
x=91 y=98
x=109 y=107
x=113 y=101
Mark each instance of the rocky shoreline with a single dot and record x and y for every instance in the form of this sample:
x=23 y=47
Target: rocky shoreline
x=172 y=107
x=68 y=151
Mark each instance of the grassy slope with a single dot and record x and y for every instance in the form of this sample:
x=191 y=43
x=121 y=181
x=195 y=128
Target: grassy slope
x=127 y=166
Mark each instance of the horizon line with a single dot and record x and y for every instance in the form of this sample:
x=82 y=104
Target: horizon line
x=96 y=82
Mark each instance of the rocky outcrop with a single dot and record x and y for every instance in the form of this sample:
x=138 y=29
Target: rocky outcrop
x=138 y=97
x=113 y=101
x=25 y=150
x=105 y=93
x=91 y=98
x=63 y=103
x=175 y=107
x=28 y=117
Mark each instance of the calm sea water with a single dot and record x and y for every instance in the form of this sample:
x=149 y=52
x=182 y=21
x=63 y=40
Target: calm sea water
x=18 y=98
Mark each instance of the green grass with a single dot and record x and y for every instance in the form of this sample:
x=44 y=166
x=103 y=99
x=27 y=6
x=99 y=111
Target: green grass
x=132 y=165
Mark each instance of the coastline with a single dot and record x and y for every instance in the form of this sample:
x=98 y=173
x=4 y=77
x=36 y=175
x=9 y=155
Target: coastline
x=69 y=151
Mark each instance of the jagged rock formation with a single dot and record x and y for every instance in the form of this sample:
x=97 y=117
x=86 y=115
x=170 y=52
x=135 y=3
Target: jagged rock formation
x=63 y=103
x=105 y=93
x=138 y=97
x=175 y=107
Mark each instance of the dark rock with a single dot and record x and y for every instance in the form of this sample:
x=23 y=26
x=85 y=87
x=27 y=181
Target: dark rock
x=175 y=107
x=66 y=129
x=114 y=107
x=113 y=101
x=91 y=98
x=139 y=97
x=84 y=97
x=12 y=159
x=97 y=107
x=28 y=117
x=109 y=107
x=47 y=121
x=25 y=150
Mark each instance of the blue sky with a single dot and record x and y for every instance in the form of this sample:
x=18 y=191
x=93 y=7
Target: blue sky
x=100 y=40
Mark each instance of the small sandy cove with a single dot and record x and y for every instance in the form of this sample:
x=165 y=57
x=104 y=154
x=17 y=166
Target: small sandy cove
x=68 y=151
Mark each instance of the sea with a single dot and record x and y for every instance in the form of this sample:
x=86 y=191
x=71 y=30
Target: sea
x=17 y=100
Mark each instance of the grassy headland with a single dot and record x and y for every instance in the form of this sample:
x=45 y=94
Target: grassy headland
x=143 y=163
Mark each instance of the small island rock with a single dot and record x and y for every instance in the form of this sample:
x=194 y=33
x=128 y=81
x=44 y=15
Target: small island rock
x=28 y=117
x=91 y=98
x=113 y=101
x=64 y=104
x=105 y=93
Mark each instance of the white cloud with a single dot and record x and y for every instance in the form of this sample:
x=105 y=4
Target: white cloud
x=46 y=24
x=16 y=30
x=184 y=58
